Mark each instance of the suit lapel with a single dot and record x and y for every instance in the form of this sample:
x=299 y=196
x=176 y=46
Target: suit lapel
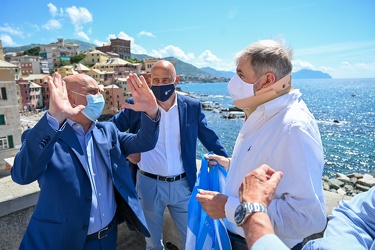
x=69 y=137
x=182 y=113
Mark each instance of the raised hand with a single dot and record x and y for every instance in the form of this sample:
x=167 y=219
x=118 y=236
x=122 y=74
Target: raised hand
x=144 y=99
x=59 y=105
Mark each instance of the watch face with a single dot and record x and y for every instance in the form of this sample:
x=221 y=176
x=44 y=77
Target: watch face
x=239 y=214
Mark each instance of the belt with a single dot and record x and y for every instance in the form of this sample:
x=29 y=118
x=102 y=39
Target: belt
x=163 y=178
x=102 y=233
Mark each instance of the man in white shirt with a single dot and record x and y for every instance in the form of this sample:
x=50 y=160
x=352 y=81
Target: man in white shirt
x=279 y=131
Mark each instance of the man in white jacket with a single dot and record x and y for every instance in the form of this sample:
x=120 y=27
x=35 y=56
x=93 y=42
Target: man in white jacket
x=279 y=131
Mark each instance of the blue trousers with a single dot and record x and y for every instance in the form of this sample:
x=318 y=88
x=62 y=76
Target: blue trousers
x=156 y=196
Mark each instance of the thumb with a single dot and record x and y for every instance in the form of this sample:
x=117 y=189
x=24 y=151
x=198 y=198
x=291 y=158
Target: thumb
x=127 y=106
x=79 y=108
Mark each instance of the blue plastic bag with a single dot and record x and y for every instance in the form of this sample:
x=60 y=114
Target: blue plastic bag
x=203 y=232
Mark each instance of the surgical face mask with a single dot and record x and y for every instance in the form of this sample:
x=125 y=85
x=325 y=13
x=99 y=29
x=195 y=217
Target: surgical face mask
x=95 y=106
x=238 y=89
x=163 y=92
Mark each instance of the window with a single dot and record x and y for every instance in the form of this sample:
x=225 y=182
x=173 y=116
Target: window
x=6 y=142
x=3 y=93
x=2 y=119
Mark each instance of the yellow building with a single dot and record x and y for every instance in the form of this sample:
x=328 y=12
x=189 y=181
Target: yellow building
x=96 y=56
x=66 y=71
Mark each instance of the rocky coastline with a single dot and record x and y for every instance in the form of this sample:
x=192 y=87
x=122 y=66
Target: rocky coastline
x=343 y=184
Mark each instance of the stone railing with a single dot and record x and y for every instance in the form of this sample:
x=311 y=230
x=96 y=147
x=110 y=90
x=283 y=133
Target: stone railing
x=17 y=203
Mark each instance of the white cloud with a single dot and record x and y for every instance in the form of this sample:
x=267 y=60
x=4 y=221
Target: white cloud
x=7 y=40
x=83 y=35
x=79 y=16
x=145 y=33
x=52 y=24
x=52 y=9
x=208 y=57
x=13 y=31
x=99 y=43
x=174 y=51
x=123 y=35
x=137 y=49
x=300 y=64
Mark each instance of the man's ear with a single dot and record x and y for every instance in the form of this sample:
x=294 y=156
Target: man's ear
x=270 y=79
x=177 y=80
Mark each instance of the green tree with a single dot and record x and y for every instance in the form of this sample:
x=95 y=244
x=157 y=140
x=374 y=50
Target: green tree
x=77 y=58
x=32 y=52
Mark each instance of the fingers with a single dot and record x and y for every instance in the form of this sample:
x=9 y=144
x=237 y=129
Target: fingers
x=136 y=83
x=275 y=178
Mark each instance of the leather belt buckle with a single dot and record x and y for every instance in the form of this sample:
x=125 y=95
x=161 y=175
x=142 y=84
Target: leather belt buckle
x=102 y=231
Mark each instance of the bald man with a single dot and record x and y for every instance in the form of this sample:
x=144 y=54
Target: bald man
x=167 y=174
x=80 y=164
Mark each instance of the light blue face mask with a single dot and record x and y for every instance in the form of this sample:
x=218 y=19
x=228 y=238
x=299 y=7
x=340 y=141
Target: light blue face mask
x=95 y=106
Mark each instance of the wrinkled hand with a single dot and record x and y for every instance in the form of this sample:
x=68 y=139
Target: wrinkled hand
x=260 y=185
x=213 y=203
x=144 y=99
x=134 y=158
x=59 y=105
x=214 y=159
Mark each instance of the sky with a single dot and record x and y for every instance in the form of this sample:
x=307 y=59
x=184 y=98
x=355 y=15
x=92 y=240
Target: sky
x=333 y=36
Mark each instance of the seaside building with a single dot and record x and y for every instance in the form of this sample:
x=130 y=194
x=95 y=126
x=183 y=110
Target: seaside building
x=115 y=68
x=114 y=98
x=56 y=52
x=40 y=80
x=95 y=56
x=118 y=46
x=1 y=51
x=30 y=64
x=148 y=63
x=97 y=74
x=30 y=95
x=67 y=70
x=10 y=124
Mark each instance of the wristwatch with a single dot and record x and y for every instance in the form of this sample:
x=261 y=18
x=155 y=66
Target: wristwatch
x=245 y=209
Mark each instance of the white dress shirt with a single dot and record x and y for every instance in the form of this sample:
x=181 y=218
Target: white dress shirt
x=165 y=159
x=283 y=134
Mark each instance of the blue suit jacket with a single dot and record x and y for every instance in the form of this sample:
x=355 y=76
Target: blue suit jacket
x=55 y=158
x=193 y=126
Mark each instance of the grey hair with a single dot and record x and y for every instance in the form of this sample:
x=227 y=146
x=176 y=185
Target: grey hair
x=268 y=56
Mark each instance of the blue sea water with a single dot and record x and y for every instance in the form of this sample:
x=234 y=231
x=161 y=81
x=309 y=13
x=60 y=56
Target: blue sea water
x=348 y=145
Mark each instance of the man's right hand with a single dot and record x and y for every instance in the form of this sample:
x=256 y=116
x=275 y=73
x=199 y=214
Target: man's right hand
x=260 y=185
x=144 y=99
x=59 y=105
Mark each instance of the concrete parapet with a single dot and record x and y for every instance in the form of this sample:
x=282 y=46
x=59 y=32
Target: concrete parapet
x=17 y=203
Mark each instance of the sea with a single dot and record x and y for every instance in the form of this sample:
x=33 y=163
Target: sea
x=344 y=110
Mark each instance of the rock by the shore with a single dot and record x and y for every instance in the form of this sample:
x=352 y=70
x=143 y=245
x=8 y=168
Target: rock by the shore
x=350 y=184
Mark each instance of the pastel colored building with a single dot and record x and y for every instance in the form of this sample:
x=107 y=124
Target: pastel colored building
x=10 y=124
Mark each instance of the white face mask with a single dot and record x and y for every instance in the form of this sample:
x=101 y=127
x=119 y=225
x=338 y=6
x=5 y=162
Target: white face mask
x=238 y=89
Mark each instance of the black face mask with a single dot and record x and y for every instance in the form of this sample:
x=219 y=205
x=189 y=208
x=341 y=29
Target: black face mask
x=163 y=92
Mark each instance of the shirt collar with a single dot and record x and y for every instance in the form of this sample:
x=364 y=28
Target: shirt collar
x=274 y=106
x=78 y=127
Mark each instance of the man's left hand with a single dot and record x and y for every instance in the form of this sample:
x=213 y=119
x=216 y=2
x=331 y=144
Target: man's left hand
x=213 y=203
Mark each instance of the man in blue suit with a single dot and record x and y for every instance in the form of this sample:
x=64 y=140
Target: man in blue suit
x=167 y=174
x=80 y=164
